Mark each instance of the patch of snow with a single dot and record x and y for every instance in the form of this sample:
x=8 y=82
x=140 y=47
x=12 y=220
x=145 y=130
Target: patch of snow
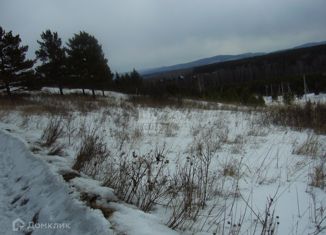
x=93 y=187
x=127 y=220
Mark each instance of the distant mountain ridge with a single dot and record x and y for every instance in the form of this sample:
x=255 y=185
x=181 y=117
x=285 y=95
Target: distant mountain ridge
x=214 y=60
x=200 y=62
x=310 y=44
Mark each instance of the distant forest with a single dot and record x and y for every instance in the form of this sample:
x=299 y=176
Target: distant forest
x=246 y=80
x=80 y=63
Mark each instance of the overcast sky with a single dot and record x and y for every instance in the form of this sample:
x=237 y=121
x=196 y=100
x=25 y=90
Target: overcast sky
x=151 y=33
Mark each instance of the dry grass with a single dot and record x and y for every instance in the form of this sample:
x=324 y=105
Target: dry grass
x=52 y=132
x=318 y=177
x=92 y=153
x=310 y=147
x=318 y=174
x=57 y=150
x=32 y=105
x=311 y=116
x=169 y=128
x=147 y=101
x=230 y=170
x=163 y=102
x=52 y=104
x=137 y=135
x=16 y=100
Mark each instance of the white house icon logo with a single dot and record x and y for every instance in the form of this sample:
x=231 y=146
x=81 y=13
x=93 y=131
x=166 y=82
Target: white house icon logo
x=18 y=225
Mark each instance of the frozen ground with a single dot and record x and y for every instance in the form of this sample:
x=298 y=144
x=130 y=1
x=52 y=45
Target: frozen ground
x=256 y=170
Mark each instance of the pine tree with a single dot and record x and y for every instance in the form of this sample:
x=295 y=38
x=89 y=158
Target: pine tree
x=136 y=80
x=13 y=63
x=53 y=58
x=87 y=61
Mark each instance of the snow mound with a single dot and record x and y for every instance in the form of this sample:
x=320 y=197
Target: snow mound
x=31 y=193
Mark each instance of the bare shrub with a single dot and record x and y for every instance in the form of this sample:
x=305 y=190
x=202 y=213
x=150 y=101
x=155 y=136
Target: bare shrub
x=91 y=155
x=141 y=180
x=269 y=221
x=184 y=190
x=317 y=215
x=193 y=184
x=206 y=151
x=264 y=222
x=52 y=132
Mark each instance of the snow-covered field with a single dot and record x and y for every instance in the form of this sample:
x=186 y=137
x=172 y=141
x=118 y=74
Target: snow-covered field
x=197 y=171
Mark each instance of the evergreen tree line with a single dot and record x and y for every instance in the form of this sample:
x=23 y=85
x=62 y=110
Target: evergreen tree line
x=80 y=63
x=249 y=92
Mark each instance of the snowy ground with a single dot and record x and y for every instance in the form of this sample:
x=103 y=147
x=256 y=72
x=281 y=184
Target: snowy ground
x=251 y=162
x=311 y=97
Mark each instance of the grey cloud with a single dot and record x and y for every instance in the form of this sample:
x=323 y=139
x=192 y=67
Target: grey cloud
x=147 y=33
